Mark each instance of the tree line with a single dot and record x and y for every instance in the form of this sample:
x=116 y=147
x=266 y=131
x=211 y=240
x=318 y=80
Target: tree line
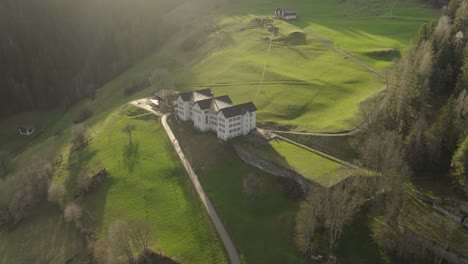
x=418 y=125
x=55 y=53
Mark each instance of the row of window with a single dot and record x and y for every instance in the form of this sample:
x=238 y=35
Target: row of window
x=235 y=124
x=234 y=130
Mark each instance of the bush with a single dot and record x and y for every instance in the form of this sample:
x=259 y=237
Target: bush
x=56 y=193
x=84 y=115
x=135 y=87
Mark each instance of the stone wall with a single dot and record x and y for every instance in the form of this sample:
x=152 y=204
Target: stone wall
x=271 y=167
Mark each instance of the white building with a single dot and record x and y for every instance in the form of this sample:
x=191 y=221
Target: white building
x=216 y=114
x=285 y=13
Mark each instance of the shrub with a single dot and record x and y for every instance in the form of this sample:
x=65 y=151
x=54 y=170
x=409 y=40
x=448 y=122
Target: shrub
x=56 y=193
x=84 y=115
x=135 y=87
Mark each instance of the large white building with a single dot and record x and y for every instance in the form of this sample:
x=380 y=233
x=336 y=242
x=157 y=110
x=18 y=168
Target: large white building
x=216 y=114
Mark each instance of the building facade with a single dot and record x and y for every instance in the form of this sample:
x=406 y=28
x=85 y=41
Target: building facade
x=285 y=14
x=217 y=114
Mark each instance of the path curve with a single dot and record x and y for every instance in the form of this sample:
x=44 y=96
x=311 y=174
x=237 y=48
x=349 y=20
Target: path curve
x=223 y=234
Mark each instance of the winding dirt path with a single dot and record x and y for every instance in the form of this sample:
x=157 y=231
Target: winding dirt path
x=234 y=257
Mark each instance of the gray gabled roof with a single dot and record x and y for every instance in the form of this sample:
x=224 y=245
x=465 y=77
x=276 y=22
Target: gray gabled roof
x=237 y=110
x=204 y=104
x=188 y=96
x=224 y=98
x=206 y=91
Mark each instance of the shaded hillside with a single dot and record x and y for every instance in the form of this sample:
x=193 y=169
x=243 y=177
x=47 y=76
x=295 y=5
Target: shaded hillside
x=426 y=102
x=57 y=52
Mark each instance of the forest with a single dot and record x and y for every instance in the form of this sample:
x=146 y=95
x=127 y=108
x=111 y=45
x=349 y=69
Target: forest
x=55 y=53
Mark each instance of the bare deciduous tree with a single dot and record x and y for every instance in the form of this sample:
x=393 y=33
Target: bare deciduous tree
x=56 y=193
x=79 y=136
x=72 y=212
x=253 y=186
x=83 y=181
x=159 y=76
x=5 y=160
x=125 y=242
x=129 y=129
x=442 y=30
x=330 y=209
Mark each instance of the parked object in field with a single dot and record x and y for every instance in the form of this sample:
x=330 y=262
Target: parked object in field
x=285 y=13
x=26 y=131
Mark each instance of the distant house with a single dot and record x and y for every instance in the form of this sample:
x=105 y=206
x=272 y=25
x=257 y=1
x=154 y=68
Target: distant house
x=285 y=13
x=26 y=131
x=217 y=114
x=166 y=95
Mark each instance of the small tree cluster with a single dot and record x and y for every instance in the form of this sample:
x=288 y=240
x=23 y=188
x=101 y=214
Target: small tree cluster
x=328 y=209
x=79 y=137
x=56 y=193
x=73 y=213
x=124 y=243
x=253 y=186
x=23 y=191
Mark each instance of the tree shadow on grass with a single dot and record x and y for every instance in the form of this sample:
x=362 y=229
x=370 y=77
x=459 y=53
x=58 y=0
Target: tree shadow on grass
x=95 y=204
x=77 y=162
x=131 y=155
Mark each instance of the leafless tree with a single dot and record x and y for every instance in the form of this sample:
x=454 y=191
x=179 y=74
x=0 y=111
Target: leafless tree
x=129 y=129
x=442 y=30
x=125 y=242
x=79 y=136
x=330 y=209
x=253 y=185
x=72 y=212
x=83 y=181
x=159 y=76
x=5 y=159
x=56 y=193
x=28 y=186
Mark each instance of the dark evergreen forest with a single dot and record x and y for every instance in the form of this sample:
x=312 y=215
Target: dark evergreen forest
x=55 y=52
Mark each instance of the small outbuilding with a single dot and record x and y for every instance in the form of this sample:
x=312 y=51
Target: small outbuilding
x=284 y=13
x=166 y=95
x=26 y=131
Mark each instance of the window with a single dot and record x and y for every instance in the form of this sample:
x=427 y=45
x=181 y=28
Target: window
x=206 y=119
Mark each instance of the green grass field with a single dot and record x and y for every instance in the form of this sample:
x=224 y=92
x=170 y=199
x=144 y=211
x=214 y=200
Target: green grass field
x=43 y=238
x=310 y=165
x=307 y=87
x=182 y=229
x=262 y=228
x=148 y=178
x=360 y=27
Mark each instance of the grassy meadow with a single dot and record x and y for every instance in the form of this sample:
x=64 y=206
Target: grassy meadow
x=312 y=166
x=181 y=227
x=360 y=27
x=43 y=238
x=306 y=87
x=148 y=182
x=262 y=227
